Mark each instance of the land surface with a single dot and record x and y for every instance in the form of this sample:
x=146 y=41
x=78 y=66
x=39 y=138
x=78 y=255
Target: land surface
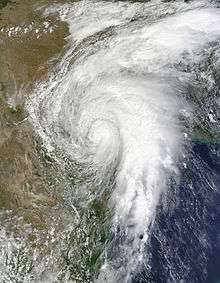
x=31 y=191
x=31 y=187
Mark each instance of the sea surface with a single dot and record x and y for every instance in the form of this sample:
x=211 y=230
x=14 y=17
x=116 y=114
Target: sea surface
x=128 y=118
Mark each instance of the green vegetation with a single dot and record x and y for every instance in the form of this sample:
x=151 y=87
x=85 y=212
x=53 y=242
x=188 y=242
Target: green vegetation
x=3 y=3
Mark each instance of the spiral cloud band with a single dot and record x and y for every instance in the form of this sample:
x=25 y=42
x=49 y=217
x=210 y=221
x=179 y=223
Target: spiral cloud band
x=113 y=105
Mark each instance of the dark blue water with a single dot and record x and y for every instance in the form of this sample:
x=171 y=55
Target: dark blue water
x=185 y=241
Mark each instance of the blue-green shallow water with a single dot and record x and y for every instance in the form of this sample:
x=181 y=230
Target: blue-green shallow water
x=185 y=241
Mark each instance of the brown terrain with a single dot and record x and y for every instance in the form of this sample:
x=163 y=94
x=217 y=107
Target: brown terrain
x=30 y=191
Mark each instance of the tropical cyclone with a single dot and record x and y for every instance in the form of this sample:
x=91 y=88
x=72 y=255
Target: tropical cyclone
x=115 y=105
